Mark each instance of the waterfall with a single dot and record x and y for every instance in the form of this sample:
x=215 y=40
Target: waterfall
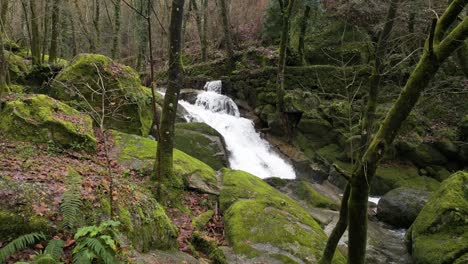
x=247 y=150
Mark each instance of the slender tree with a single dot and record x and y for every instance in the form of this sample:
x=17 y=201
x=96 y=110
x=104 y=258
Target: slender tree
x=163 y=164
x=302 y=33
x=3 y=71
x=45 y=27
x=35 y=37
x=367 y=129
x=286 y=14
x=204 y=41
x=117 y=25
x=227 y=33
x=441 y=43
x=96 y=21
x=55 y=32
x=3 y=14
x=199 y=22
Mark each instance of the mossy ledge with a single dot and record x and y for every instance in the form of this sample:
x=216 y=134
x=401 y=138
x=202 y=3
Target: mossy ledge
x=440 y=232
x=260 y=220
x=41 y=119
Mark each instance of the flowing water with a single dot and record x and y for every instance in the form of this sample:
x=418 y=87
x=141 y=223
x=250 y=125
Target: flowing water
x=247 y=150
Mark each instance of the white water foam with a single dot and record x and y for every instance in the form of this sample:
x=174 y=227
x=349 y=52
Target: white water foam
x=247 y=150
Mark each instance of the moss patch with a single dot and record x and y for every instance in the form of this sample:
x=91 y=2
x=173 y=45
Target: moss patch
x=40 y=119
x=261 y=220
x=440 y=232
x=139 y=153
x=314 y=198
x=202 y=142
x=126 y=98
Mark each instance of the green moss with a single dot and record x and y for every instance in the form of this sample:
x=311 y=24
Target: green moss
x=130 y=104
x=258 y=217
x=331 y=152
x=202 y=142
x=315 y=199
x=13 y=224
x=39 y=118
x=439 y=233
x=125 y=219
x=200 y=221
x=208 y=247
x=139 y=154
x=17 y=67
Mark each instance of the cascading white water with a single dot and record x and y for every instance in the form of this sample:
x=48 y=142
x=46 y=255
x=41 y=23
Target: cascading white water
x=248 y=151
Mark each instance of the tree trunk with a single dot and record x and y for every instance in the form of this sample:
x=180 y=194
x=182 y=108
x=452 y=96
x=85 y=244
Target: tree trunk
x=282 y=57
x=142 y=33
x=3 y=15
x=35 y=38
x=204 y=42
x=45 y=37
x=227 y=33
x=199 y=22
x=117 y=24
x=55 y=32
x=304 y=24
x=438 y=47
x=96 y=23
x=166 y=141
x=3 y=71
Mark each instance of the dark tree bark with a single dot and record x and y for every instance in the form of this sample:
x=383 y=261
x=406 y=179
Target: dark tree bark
x=164 y=160
x=204 y=41
x=3 y=71
x=117 y=25
x=439 y=46
x=55 y=32
x=227 y=33
x=199 y=22
x=3 y=14
x=96 y=21
x=35 y=38
x=304 y=24
x=286 y=15
x=45 y=26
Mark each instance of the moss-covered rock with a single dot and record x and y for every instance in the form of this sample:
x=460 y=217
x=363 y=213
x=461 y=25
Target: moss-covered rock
x=306 y=192
x=129 y=102
x=41 y=119
x=16 y=214
x=139 y=153
x=17 y=66
x=440 y=232
x=202 y=142
x=260 y=220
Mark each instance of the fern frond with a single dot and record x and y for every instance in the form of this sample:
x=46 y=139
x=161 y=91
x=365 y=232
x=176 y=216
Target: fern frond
x=104 y=253
x=55 y=249
x=20 y=243
x=44 y=259
x=83 y=256
x=70 y=206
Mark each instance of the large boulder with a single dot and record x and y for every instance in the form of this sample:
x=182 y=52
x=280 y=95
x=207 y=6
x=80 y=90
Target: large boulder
x=127 y=103
x=261 y=222
x=41 y=119
x=202 y=142
x=139 y=153
x=440 y=232
x=17 y=67
x=401 y=206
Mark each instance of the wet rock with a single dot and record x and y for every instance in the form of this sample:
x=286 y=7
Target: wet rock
x=401 y=206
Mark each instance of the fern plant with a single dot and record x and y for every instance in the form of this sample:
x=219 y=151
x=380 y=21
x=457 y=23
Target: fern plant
x=20 y=243
x=96 y=243
x=70 y=206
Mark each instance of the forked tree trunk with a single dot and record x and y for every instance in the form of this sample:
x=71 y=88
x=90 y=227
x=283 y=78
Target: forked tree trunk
x=164 y=159
x=439 y=46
